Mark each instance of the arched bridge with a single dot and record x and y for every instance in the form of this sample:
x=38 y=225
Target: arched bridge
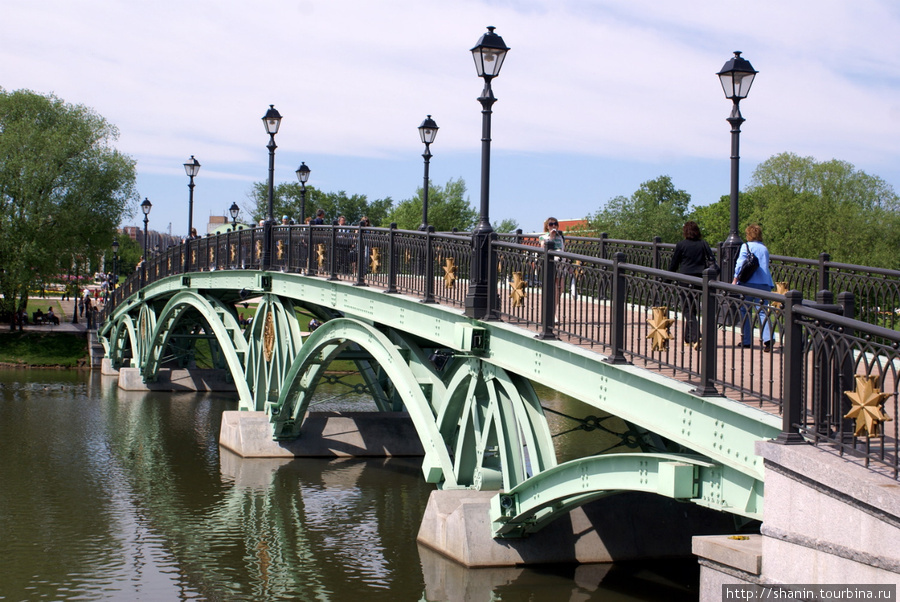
x=455 y=335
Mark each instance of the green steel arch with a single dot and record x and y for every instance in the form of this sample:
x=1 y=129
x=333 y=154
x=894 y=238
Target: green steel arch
x=481 y=428
x=122 y=337
x=220 y=319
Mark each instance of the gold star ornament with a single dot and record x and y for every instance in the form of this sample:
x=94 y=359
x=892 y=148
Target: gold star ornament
x=659 y=328
x=449 y=272
x=780 y=288
x=375 y=260
x=320 y=254
x=867 y=400
x=517 y=290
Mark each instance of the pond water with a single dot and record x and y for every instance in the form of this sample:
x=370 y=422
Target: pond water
x=113 y=495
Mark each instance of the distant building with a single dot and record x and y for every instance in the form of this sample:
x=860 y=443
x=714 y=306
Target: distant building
x=573 y=225
x=155 y=240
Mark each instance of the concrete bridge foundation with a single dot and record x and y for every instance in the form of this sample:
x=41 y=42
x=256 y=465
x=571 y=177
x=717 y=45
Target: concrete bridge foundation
x=826 y=520
x=627 y=526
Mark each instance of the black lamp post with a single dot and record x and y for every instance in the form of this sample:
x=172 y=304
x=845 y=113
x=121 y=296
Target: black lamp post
x=234 y=210
x=115 y=248
x=736 y=77
x=145 y=207
x=191 y=168
x=489 y=54
x=272 y=121
x=303 y=175
x=428 y=131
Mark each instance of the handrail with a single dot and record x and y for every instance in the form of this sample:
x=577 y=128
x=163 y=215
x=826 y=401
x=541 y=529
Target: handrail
x=632 y=312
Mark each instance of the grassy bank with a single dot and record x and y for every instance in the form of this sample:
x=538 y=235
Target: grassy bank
x=43 y=349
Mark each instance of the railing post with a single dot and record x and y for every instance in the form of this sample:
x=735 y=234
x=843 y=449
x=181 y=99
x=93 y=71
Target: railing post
x=519 y=237
x=332 y=253
x=548 y=296
x=617 y=338
x=845 y=354
x=360 y=258
x=429 y=266
x=392 y=259
x=792 y=385
x=709 y=311
x=603 y=237
x=493 y=298
x=310 y=252
x=824 y=276
x=655 y=261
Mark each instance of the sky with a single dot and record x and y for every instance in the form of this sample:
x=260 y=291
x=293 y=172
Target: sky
x=594 y=98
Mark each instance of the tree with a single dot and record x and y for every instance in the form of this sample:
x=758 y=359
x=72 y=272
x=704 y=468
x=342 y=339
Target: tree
x=63 y=189
x=287 y=196
x=448 y=208
x=806 y=207
x=657 y=208
x=506 y=226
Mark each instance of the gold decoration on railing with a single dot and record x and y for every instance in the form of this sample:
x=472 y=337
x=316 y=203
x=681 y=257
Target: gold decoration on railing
x=279 y=249
x=212 y=255
x=320 y=254
x=781 y=288
x=407 y=257
x=258 y=249
x=232 y=253
x=450 y=272
x=375 y=260
x=193 y=256
x=517 y=291
x=269 y=337
x=867 y=400
x=659 y=328
x=169 y=264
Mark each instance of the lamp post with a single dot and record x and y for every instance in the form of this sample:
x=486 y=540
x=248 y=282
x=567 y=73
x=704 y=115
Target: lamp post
x=736 y=78
x=489 y=54
x=191 y=168
x=428 y=132
x=115 y=248
x=234 y=210
x=272 y=121
x=303 y=175
x=145 y=207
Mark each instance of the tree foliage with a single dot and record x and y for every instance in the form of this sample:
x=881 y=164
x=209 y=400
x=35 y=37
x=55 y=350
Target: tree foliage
x=806 y=207
x=657 y=208
x=448 y=208
x=287 y=201
x=63 y=189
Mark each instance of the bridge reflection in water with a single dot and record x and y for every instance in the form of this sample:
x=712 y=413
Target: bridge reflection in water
x=603 y=322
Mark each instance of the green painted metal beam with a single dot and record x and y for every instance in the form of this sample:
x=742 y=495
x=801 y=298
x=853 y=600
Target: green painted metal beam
x=538 y=501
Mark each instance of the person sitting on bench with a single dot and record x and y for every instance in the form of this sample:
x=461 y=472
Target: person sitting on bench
x=51 y=317
x=38 y=317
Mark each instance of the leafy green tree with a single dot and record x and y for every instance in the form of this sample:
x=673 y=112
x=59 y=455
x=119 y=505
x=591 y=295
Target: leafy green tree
x=63 y=189
x=448 y=208
x=657 y=208
x=506 y=226
x=287 y=201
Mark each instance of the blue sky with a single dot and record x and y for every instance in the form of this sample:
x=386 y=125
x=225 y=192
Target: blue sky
x=595 y=97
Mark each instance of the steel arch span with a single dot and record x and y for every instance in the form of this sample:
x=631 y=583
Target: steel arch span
x=481 y=428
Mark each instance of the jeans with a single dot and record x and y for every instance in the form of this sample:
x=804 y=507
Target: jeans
x=747 y=324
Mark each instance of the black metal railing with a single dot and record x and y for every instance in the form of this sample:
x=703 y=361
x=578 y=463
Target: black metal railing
x=617 y=297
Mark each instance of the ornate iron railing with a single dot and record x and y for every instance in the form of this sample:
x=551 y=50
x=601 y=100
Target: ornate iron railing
x=821 y=370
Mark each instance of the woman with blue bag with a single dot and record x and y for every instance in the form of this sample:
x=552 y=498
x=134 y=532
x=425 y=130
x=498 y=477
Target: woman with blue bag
x=754 y=252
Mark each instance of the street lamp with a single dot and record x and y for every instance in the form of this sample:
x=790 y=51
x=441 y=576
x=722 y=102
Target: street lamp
x=191 y=168
x=272 y=121
x=428 y=132
x=145 y=207
x=488 y=54
x=234 y=210
x=303 y=175
x=736 y=77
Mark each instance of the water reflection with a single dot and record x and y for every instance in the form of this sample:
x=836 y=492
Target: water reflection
x=108 y=494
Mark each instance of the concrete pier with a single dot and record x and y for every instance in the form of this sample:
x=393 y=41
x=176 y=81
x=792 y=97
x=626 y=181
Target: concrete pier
x=627 y=526
x=174 y=380
x=324 y=435
x=826 y=520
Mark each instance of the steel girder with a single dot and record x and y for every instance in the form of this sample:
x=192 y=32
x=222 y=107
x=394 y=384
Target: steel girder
x=535 y=503
x=221 y=320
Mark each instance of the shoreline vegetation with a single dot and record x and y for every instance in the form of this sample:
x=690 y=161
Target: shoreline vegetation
x=48 y=350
